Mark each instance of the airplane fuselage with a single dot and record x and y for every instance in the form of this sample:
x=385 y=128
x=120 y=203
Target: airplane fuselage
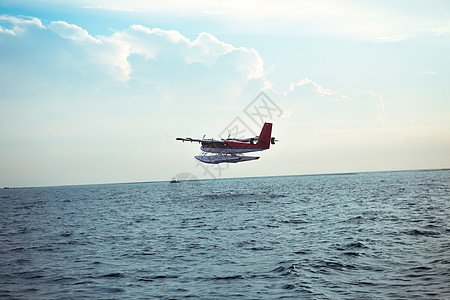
x=229 y=147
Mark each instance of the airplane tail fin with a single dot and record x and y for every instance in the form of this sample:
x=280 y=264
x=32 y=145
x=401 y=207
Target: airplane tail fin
x=264 y=138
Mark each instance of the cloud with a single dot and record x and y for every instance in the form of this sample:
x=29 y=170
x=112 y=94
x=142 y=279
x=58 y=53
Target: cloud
x=426 y=73
x=381 y=21
x=17 y=25
x=156 y=44
x=72 y=32
x=164 y=64
x=360 y=107
x=373 y=98
x=113 y=58
x=67 y=61
x=205 y=49
x=321 y=91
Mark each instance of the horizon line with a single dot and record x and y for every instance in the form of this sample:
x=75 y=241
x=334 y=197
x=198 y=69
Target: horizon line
x=224 y=178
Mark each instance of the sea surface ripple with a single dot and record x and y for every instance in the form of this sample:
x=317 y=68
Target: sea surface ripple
x=378 y=235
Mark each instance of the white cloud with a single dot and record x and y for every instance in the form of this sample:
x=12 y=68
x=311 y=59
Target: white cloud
x=156 y=44
x=151 y=57
x=168 y=64
x=321 y=91
x=364 y=105
x=382 y=21
x=18 y=25
x=107 y=55
x=72 y=32
x=171 y=35
x=110 y=55
x=206 y=49
x=426 y=73
x=371 y=98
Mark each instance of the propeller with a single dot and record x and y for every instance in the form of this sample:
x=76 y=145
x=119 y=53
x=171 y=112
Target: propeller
x=273 y=140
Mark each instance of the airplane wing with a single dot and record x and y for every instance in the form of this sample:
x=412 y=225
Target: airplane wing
x=188 y=140
x=203 y=141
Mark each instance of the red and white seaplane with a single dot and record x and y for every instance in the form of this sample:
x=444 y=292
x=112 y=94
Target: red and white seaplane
x=230 y=150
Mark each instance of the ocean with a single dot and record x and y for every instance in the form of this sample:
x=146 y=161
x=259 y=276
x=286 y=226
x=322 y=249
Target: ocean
x=382 y=235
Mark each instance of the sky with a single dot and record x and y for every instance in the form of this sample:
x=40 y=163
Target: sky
x=97 y=91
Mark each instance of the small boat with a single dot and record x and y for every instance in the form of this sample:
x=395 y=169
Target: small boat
x=174 y=180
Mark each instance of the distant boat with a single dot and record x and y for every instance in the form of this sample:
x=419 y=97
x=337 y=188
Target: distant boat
x=174 y=180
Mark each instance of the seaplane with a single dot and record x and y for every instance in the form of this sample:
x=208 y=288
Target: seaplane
x=231 y=150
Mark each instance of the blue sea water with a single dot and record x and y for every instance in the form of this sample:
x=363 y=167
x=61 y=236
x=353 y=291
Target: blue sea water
x=351 y=236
